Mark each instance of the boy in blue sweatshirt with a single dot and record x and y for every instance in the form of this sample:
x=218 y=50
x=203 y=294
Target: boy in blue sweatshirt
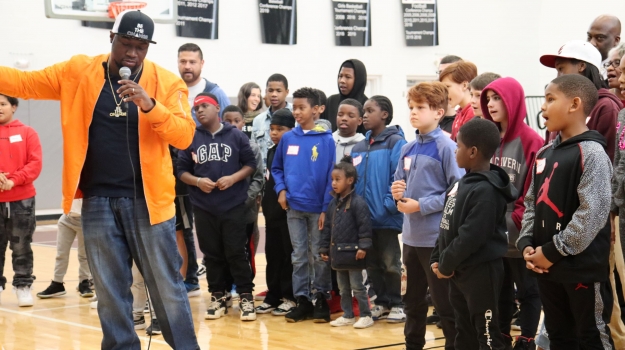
x=216 y=167
x=302 y=169
x=376 y=158
x=427 y=167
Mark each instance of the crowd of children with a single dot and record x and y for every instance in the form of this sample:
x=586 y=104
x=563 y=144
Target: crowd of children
x=493 y=217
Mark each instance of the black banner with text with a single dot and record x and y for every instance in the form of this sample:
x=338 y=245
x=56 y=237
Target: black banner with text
x=420 y=22
x=352 y=22
x=198 y=19
x=278 y=21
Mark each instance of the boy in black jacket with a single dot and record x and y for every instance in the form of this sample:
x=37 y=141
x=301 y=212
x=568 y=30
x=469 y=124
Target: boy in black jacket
x=565 y=237
x=472 y=239
x=216 y=167
x=279 y=273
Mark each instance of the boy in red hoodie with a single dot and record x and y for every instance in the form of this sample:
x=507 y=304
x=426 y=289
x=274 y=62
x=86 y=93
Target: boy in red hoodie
x=20 y=165
x=503 y=102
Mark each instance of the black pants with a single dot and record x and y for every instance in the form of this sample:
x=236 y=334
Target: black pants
x=515 y=272
x=577 y=314
x=475 y=298
x=184 y=223
x=279 y=271
x=222 y=239
x=419 y=277
x=17 y=225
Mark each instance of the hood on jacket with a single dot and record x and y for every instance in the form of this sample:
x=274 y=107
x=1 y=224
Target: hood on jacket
x=497 y=177
x=324 y=124
x=347 y=141
x=226 y=127
x=13 y=124
x=389 y=131
x=360 y=81
x=605 y=93
x=590 y=135
x=513 y=97
x=318 y=129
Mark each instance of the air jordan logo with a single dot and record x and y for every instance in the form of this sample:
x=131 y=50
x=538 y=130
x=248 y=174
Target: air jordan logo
x=543 y=193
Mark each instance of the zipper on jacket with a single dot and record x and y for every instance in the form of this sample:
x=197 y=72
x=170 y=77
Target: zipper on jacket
x=366 y=168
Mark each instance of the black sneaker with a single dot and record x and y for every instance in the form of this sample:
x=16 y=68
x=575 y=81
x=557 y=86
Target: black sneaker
x=55 y=289
x=439 y=325
x=154 y=328
x=507 y=341
x=303 y=311
x=139 y=322
x=217 y=307
x=524 y=343
x=246 y=305
x=433 y=318
x=322 y=310
x=84 y=288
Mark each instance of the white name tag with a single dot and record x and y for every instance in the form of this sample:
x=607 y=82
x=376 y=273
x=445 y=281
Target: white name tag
x=15 y=138
x=407 y=163
x=292 y=150
x=540 y=165
x=357 y=160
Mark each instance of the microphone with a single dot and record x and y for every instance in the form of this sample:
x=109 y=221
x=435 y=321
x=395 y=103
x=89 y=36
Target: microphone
x=125 y=72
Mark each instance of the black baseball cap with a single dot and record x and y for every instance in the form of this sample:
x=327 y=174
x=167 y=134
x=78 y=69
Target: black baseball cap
x=135 y=24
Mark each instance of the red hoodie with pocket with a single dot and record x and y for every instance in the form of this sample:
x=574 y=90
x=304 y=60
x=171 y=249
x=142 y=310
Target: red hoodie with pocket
x=516 y=152
x=602 y=118
x=20 y=157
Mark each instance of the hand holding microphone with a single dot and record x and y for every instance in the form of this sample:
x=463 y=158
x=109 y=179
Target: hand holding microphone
x=131 y=91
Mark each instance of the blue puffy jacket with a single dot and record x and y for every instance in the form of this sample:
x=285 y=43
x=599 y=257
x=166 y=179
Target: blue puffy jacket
x=376 y=163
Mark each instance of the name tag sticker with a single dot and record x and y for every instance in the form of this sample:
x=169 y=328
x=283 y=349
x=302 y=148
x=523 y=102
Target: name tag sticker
x=357 y=160
x=540 y=165
x=292 y=150
x=407 y=163
x=15 y=138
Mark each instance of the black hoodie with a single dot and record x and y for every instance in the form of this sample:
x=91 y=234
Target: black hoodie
x=567 y=207
x=357 y=93
x=473 y=227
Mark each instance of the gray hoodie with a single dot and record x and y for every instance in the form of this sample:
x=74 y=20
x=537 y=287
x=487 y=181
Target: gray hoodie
x=344 y=145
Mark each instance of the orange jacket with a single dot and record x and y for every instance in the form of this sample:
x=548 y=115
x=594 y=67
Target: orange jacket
x=77 y=83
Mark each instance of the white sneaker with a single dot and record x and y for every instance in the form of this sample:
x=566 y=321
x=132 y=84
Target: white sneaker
x=364 y=322
x=396 y=315
x=379 y=312
x=284 y=308
x=217 y=308
x=94 y=304
x=24 y=298
x=342 y=321
x=265 y=308
x=248 y=312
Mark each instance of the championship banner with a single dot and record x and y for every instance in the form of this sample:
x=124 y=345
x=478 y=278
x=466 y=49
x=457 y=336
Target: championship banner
x=352 y=22
x=278 y=21
x=198 y=19
x=420 y=22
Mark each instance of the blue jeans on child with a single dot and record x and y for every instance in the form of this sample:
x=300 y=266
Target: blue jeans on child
x=304 y=228
x=351 y=281
x=112 y=244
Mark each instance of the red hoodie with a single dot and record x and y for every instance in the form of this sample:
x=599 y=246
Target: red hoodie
x=20 y=157
x=602 y=119
x=464 y=115
x=516 y=152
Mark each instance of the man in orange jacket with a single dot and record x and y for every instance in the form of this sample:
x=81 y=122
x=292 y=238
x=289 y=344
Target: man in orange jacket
x=116 y=136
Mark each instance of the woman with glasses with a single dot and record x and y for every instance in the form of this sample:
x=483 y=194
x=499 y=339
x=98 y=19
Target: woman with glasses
x=614 y=72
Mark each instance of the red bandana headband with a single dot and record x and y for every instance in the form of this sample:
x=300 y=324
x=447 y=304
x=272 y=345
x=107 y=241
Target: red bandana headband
x=204 y=99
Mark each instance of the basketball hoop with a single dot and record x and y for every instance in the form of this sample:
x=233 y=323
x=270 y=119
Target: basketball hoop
x=115 y=8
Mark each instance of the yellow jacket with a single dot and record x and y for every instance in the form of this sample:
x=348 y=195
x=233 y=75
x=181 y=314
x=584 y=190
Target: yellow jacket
x=77 y=83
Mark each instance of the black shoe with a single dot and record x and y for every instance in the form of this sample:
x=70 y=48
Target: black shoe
x=246 y=305
x=54 y=290
x=523 y=343
x=154 y=328
x=322 y=309
x=433 y=319
x=439 y=325
x=84 y=288
x=303 y=311
x=507 y=342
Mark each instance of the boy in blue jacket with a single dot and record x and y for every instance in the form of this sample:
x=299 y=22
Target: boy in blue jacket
x=427 y=167
x=302 y=169
x=216 y=167
x=376 y=158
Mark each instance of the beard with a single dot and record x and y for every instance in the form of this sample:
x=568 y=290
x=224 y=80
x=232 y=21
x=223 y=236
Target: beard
x=189 y=78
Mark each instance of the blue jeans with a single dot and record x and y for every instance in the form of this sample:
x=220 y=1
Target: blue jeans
x=112 y=243
x=305 y=238
x=384 y=268
x=351 y=281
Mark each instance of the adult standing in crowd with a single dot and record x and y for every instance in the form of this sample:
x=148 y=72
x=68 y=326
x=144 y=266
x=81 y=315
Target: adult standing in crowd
x=128 y=209
x=612 y=65
x=352 y=81
x=190 y=64
x=604 y=34
x=249 y=99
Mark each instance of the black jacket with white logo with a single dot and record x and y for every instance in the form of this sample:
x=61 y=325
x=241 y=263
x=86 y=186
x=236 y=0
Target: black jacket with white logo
x=567 y=208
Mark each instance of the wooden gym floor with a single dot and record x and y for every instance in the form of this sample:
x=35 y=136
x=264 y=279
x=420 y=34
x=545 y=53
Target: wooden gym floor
x=67 y=322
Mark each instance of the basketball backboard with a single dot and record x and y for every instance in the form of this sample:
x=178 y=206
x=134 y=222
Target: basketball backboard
x=161 y=11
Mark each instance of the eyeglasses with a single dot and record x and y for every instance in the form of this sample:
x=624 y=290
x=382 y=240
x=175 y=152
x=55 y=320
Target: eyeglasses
x=615 y=64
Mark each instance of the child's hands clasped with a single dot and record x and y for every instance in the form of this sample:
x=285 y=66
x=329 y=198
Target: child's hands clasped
x=225 y=182
x=397 y=189
x=408 y=206
x=535 y=260
x=206 y=185
x=360 y=254
x=438 y=273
